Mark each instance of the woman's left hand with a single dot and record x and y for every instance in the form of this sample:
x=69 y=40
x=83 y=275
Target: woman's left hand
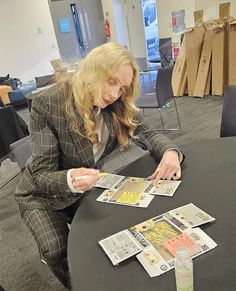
x=168 y=168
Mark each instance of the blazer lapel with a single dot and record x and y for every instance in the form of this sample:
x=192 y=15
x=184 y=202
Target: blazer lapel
x=112 y=132
x=83 y=146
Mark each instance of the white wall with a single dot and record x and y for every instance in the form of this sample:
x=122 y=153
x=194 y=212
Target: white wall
x=134 y=16
x=211 y=8
x=108 y=12
x=164 y=11
x=121 y=23
x=28 y=41
x=132 y=29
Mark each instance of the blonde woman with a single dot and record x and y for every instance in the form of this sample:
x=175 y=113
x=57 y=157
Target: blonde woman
x=73 y=126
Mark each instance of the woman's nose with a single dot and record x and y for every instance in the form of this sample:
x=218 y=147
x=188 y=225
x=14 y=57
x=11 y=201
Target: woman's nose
x=115 y=92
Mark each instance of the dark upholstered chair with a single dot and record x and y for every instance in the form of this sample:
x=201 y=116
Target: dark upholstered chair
x=21 y=150
x=162 y=96
x=228 y=119
x=43 y=81
x=12 y=128
x=165 y=47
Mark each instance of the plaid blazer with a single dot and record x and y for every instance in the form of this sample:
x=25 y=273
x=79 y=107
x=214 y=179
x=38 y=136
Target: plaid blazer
x=57 y=148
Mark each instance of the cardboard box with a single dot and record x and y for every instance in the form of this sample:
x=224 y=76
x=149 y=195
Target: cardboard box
x=183 y=84
x=218 y=60
x=207 y=62
x=224 y=10
x=179 y=75
x=232 y=54
x=208 y=82
x=198 y=17
x=227 y=22
x=204 y=65
x=193 y=46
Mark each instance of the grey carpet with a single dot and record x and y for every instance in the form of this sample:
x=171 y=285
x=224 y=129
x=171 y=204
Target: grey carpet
x=20 y=266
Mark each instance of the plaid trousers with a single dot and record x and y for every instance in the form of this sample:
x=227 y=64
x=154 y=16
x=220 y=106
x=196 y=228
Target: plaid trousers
x=50 y=231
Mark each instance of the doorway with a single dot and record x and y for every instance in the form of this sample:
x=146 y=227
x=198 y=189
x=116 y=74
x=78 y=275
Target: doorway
x=151 y=30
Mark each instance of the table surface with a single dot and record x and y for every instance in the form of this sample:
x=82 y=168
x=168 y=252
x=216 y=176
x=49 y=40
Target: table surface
x=209 y=181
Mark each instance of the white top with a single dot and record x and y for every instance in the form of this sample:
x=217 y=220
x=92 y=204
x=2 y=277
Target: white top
x=103 y=136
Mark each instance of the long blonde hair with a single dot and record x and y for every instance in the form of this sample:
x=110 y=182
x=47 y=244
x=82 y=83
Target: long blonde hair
x=87 y=83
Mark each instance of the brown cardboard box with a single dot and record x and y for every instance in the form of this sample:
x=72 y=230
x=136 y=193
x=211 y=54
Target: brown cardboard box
x=208 y=82
x=224 y=10
x=232 y=54
x=179 y=76
x=218 y=60
x=198 y=17
x=183 y=84
x=193 y=45
x=204 y=65
x=227 y=22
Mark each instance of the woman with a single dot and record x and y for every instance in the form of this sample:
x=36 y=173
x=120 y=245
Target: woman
x=74 y=125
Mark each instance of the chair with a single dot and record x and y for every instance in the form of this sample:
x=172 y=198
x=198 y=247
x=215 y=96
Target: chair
x=162 y=96
x=4 y=94
x=228 y=119
x=165 y=47
x=12 y=128
x=21 y=150
x=43 y=81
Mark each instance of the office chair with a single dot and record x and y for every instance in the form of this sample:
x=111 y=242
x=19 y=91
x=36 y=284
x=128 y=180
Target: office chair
x=228 y=118
x=161 y=97
x=43 y=81
x=21 y=150
x=165 y=48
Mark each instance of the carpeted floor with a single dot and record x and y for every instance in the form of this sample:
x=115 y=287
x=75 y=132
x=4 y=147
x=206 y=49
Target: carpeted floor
x=20 y=266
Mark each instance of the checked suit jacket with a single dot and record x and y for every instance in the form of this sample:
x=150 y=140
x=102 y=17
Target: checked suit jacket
x=57 y=148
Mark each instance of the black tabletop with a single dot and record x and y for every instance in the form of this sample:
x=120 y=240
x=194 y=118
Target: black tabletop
x=209 y=181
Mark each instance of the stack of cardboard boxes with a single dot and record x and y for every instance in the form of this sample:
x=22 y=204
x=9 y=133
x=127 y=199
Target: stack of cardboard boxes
x=207 y=58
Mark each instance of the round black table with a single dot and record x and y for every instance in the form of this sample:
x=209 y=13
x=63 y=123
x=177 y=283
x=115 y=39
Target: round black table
x=209 y=181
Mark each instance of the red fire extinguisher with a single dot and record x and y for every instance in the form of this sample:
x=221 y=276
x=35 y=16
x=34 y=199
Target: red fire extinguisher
x=107 y=29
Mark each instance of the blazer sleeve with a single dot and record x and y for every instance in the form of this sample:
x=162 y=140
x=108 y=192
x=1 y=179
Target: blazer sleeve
x=155 y=142
x=44 y=166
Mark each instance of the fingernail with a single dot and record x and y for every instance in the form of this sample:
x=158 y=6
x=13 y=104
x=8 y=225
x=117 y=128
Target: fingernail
x=103 y=174
x=158 y=170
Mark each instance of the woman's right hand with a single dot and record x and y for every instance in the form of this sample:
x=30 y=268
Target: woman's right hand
x=84 y=179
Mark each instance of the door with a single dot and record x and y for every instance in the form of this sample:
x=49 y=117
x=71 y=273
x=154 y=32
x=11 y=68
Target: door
x=151 y=29
x=84 y=27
